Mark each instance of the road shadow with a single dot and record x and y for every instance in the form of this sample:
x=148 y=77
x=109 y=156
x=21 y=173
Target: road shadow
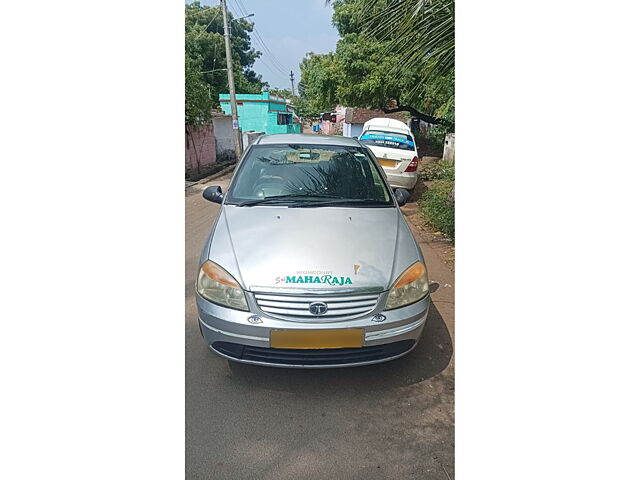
x=430 y=357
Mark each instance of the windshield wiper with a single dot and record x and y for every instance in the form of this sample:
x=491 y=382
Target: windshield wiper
x=284 y=199
x=348 y=201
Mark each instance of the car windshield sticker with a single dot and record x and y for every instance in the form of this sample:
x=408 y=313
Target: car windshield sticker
x=307 y=277
x=387 y=139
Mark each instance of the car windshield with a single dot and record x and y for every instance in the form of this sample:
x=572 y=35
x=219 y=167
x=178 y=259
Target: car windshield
x=381 y=138
x=308 y=175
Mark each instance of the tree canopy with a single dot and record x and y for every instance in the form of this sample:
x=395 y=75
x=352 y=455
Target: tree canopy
x=397 y=55
x=205 y=61
x=281 y=92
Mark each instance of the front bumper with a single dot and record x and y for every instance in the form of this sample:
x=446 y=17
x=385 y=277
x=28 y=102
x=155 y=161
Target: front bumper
x=226 y=331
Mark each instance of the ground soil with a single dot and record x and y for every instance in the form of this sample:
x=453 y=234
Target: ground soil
x=206 y=170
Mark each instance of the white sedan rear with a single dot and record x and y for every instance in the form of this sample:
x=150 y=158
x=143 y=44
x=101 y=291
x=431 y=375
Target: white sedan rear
x=393 y=145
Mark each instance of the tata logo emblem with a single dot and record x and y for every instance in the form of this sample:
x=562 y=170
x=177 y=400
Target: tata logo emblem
x=318 y=308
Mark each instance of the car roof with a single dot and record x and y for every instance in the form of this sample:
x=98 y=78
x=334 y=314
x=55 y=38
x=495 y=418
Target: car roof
x=308 y=139
x=388 y=123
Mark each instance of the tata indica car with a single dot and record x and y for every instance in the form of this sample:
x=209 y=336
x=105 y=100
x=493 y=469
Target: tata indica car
x=393 y=145
x=310 y=262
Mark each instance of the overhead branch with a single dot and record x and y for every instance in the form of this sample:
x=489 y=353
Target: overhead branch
x=422 y=116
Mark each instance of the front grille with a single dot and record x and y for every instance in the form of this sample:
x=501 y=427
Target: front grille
x=328 y=356
x=296 y=307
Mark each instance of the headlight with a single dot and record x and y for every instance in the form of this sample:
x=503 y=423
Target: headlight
x=410 y=287
x=217 y=285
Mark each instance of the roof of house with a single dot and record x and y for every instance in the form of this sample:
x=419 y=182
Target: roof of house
x=362 y=115
x=306 y=138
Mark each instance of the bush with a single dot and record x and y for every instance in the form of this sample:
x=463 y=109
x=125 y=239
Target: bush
x=432 y=142
x=436 y=207
x=435 y=140
x=439 y=170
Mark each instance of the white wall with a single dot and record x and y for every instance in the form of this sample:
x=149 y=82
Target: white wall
x=249 y=137
x=352 y=129
x=223 y=132
x=449 y=153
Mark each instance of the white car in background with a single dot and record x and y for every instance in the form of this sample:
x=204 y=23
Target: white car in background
x=393 y=145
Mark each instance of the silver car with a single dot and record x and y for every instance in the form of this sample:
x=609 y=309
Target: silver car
x=310 y=262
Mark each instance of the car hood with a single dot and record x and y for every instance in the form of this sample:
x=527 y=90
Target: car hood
x=270 y=248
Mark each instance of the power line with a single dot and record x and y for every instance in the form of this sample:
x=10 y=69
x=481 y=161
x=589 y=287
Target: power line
x=276 y=62
x=277 y=74
x=241 y=7
x=259 y=40
x=205 y=28
x=232 y=10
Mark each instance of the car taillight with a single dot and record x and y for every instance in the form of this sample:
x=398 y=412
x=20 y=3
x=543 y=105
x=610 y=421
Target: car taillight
x=413 y=166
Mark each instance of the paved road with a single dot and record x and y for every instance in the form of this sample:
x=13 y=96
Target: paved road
x=393 y=420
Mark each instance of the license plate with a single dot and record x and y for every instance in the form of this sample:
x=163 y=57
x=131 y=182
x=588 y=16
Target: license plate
x=387 y=163
x=329 y=338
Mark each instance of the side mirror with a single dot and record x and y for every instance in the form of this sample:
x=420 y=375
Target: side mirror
x=402 y=196
x=213 y=194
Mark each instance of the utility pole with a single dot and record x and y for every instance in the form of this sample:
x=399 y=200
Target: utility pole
x=237 y=135
x=293 y=92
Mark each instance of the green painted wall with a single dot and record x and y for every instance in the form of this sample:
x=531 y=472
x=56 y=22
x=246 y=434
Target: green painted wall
x=260 y=115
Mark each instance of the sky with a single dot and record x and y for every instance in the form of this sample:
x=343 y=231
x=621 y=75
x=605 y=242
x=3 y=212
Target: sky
x=289 y=28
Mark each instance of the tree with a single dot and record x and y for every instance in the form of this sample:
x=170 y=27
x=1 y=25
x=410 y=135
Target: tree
x=396 y=55
x=303 y=109
x=281 y=92
x=421 y=31
x=205 y=63
x=198 y=102
x=318 y=81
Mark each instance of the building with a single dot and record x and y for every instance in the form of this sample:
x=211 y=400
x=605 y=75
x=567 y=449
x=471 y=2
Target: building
x=355 y=118
x=331 y=123
x=262 y=112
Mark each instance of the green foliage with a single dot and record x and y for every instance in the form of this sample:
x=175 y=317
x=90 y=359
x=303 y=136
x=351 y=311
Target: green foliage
x=198 y=102
x=420 y=32
x=318 y=75
x=439 y=170
x=398 y=51
x=205 y=61
x=437 y=208
x=303 y=109
x=281 y=92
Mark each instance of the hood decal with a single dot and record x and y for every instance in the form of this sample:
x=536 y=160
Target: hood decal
x=326 y=279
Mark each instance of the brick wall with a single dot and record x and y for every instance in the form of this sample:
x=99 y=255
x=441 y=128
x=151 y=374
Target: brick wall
x=199 y=147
